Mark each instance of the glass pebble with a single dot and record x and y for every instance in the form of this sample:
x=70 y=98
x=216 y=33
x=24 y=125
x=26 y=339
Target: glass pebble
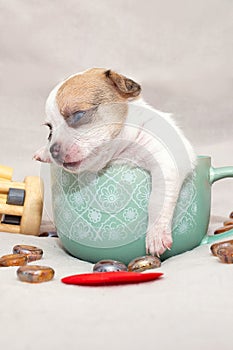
x=144 y=263
x=214 y=247
x=228 y=222
x=231 y=215
x=35 y=273
x=109 y=266
x=223 y=229
x=48 y=234
x=13 y=260
x=225 y=254
x=33 y=253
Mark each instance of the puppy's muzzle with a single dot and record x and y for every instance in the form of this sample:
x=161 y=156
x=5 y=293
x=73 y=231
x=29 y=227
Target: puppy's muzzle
x=55 y=150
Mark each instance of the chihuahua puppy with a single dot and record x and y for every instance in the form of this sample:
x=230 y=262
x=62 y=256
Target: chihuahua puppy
x=97 y=117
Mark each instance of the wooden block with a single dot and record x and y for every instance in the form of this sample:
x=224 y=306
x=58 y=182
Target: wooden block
x=11 y=209
x=9 y=228
x=5 y=185
x=15 y=196
x=33 y=206
x=11 y=220
x=3 y=179
x=3 y=198
x=6 y=172
x=22 y=200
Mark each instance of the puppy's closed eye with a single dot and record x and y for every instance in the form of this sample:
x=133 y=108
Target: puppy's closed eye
x=81 y=117
x=77 y=116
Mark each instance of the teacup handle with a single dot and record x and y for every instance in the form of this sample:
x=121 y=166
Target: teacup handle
x=216 y=174
x=220 y=173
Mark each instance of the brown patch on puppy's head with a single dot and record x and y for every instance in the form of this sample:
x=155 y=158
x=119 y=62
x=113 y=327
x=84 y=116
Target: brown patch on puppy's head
x=92 y=88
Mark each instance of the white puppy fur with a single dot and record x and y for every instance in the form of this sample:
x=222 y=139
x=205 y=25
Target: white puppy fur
x=123 y=130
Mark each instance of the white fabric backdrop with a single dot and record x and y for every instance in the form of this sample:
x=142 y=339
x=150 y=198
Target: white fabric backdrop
x=181 y=52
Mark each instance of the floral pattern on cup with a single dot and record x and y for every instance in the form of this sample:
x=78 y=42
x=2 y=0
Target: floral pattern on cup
x=111 y=210
x=130 y=214
x=111 y=197
x=183 y=222
x=113 y=231
x=143 y=195
x=94 y=215
x=128 y=176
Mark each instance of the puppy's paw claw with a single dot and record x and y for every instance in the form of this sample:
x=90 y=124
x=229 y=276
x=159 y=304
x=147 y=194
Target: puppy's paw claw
x=158 y=241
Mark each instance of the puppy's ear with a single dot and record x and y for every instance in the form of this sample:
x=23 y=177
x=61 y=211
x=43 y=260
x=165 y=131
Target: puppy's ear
x=125 y=86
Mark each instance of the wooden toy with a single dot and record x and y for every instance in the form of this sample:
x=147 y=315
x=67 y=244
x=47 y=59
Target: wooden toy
x=21 y=203
x=5 y=173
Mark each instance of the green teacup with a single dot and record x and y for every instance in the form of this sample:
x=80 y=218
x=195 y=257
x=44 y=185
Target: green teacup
x=104 y=215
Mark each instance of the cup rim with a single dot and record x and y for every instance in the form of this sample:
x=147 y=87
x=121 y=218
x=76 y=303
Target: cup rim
x=203 y=157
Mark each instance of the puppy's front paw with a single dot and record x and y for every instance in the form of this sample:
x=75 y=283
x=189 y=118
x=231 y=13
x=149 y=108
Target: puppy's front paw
x=158 y=239
x=42 y=155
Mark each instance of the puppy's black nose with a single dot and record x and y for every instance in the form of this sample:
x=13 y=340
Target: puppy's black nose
x=55 y=149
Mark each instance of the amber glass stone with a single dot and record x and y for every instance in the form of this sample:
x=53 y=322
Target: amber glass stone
x=13 y=260
x=35 y=273
x=33 y=253
x=214 y=247
x=48 y=234
x=144 y=263
x=228 y=222
x=225 y=254
x=231 y=215
x=223 y=229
